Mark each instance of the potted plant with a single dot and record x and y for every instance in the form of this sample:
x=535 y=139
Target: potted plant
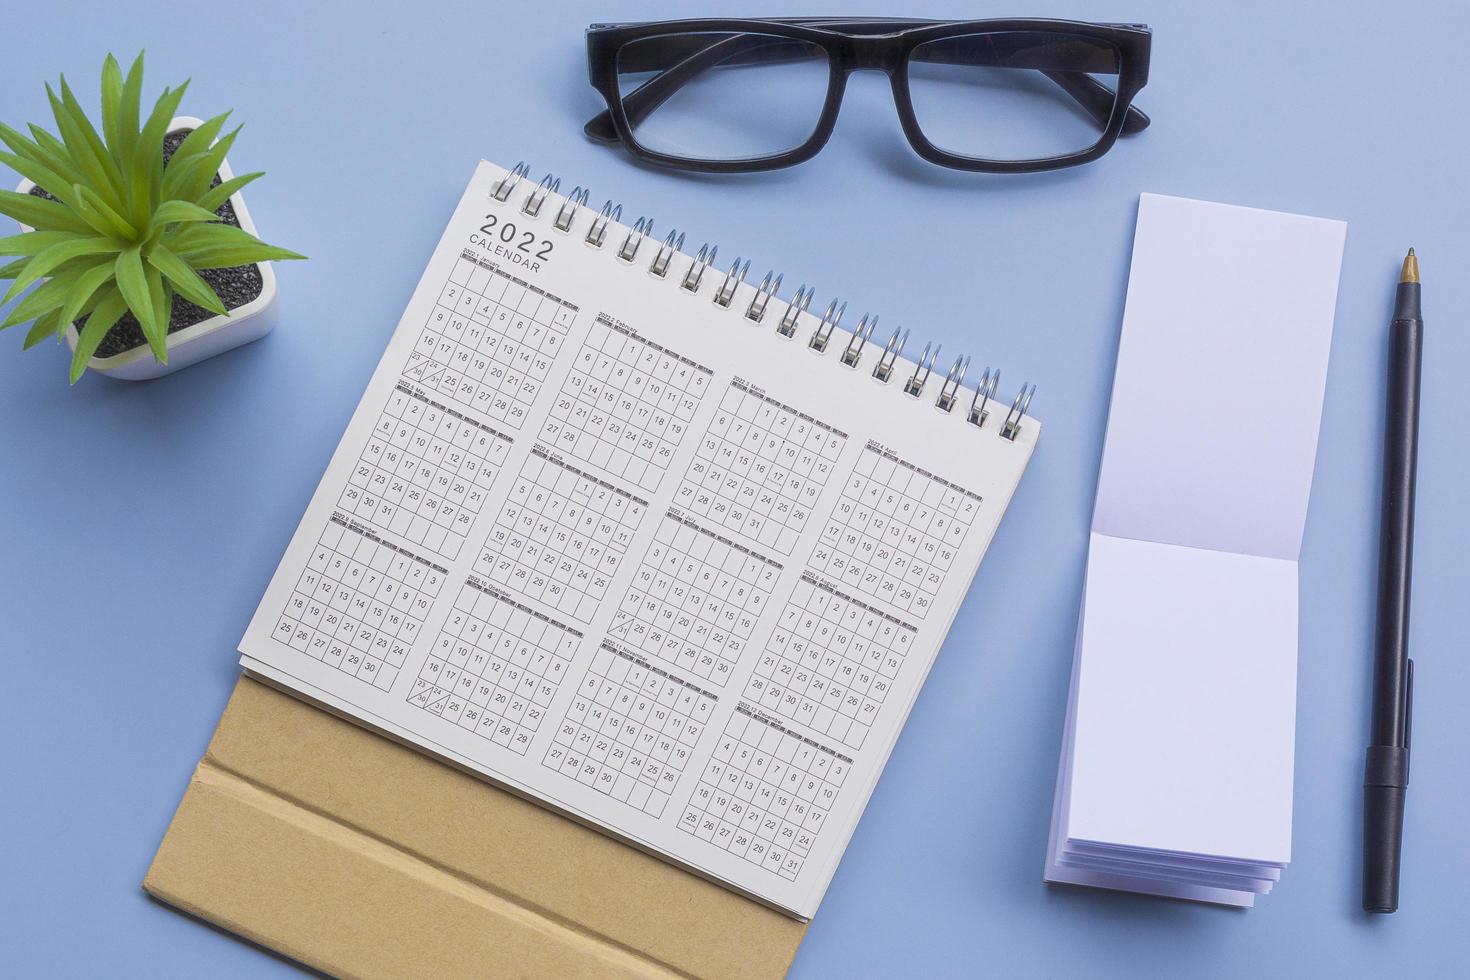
x=135 y=243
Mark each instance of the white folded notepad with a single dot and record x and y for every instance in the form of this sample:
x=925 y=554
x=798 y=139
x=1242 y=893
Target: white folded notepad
x=1176 y=768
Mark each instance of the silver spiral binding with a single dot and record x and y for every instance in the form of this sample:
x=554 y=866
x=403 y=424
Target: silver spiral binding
x=823 y=333
x=853 y=352
x=633 y=240
x=732 y=282
x=660 y=264
x=915 y=384
x=984 y=392
x=534 y=200
x=952 y=382
x=1012 y=424
x=798 y=305
x=757 y=309
x=697 y=268
x=508 y=183
x=768 y=290
x=597 y=231
x=567 y=213
x=891 y=353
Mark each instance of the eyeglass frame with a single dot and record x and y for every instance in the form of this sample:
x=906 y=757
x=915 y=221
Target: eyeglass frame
x=851 y=46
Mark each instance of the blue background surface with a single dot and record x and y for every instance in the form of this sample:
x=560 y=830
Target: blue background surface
x=142 y=521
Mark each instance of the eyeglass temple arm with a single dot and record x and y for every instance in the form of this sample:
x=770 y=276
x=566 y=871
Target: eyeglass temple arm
x=1097 y=99
x=1093 y=96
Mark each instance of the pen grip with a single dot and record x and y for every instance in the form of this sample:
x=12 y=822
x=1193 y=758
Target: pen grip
x=1385 y=776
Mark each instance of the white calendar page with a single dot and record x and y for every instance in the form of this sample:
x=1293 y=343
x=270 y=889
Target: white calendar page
x=633 y=554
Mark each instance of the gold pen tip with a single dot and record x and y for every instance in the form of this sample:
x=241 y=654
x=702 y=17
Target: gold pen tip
x=1411 y=268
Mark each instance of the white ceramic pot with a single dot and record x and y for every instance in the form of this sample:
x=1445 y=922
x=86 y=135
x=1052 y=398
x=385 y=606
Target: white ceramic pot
x=207 y=337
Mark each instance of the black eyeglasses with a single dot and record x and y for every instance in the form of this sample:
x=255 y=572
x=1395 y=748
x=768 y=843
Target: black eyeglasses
x=998 y=96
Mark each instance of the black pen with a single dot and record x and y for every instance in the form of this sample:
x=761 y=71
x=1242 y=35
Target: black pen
x=1386 y=772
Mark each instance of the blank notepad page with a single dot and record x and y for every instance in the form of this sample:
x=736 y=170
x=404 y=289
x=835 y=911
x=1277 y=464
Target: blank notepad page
x=1176 y=771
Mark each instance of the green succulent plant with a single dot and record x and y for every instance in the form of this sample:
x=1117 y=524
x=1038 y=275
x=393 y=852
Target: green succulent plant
x=123 y=231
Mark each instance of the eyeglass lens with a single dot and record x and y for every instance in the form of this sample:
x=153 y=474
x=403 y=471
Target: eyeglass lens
x=1020 y=95
x=722 y=96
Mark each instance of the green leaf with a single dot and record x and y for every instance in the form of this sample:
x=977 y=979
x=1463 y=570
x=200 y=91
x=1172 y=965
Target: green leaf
x=217 y=196
x=18 y=143
x=171 y=214
x=33 y=242
x=112 y=86
x=127 y=114
x=229 y=256
x=40 y=156
x=146 y=157
x=85 y=288
x=41 y=214
x=189 y=155
x=71 y=267
x=190 y=237
x=54 y=256
x=56 y=151
x=51 y=152
x=133 y=285
x=43 y=299
x=103 y=318
x=162 y=299
x=203 y=173
x=13 y=269
x=148 y=152
x=41 y=175
x=85 y=147
x=94 y=142
x=201 y=137
x=102 y=217
x=49 y=325
x=182 y=212
x=188 y=282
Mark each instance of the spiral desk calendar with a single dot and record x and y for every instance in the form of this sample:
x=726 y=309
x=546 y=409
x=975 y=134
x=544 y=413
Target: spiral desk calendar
x=588 y=538
x=673 y=244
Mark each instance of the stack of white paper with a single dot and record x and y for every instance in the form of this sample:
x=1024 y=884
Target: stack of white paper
x=1176 y=767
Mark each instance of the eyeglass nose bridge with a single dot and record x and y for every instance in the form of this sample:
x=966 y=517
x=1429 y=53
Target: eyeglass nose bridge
x=868 y=54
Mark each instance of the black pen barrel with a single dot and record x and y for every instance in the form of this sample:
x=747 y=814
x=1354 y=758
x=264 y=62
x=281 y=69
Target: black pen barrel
x=1386 y=768
x=1396 y=543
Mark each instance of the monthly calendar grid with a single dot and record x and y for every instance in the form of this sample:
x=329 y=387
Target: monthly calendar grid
x=830 y=663
x=560 y=537
x=630 y=730
x=359 y=603
x=895 y=531
x=760 y=468
x=626 y=405
x=425 y=472
x=495 y=667
x=765 y=794
x=695 y=600
x=490 y=341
